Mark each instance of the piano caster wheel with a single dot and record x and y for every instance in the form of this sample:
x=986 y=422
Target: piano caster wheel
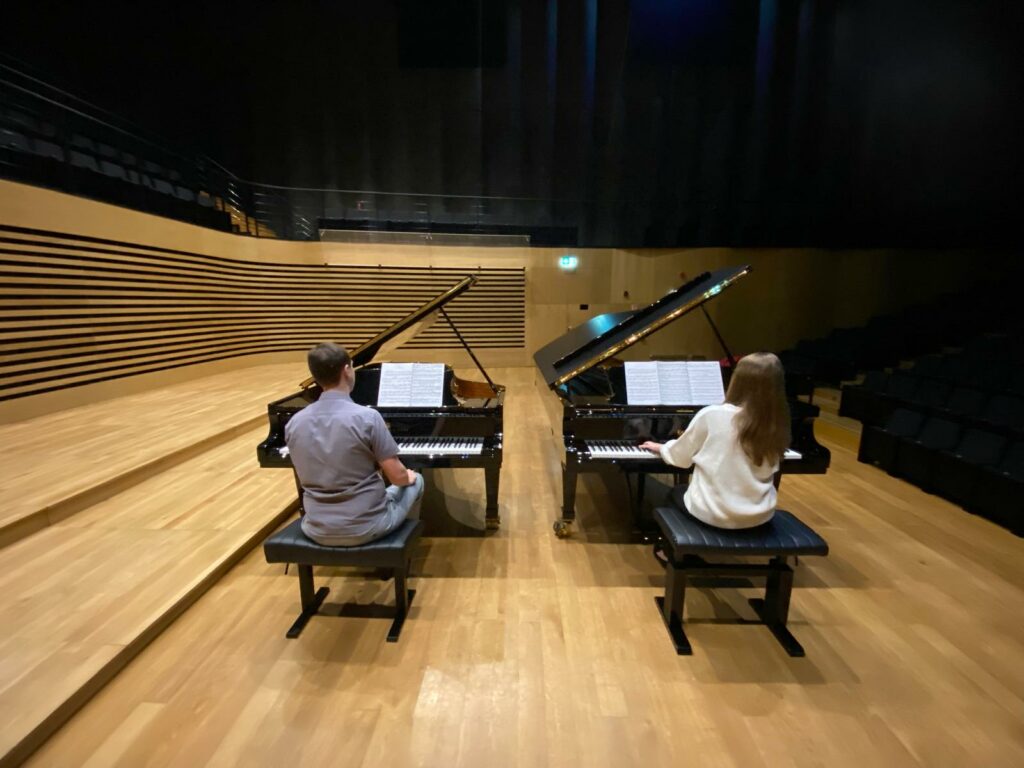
x=563 y=529
x=492 y=523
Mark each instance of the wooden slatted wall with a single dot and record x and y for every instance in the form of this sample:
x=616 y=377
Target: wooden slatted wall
x=77 y=310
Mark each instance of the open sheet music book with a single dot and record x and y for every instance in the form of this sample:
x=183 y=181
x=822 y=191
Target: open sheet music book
x=663 y=382
x=411 y=385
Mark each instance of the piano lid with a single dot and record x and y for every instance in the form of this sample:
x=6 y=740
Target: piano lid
x=410 y=325
x=605 y=336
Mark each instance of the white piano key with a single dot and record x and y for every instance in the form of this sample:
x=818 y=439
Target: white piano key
x=449 y=446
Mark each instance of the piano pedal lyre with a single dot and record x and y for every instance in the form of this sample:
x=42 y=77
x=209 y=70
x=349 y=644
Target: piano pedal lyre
x=563 y=528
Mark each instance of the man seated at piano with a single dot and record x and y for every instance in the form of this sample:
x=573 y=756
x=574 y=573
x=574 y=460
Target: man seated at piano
x=337 y=448
x=735 y=448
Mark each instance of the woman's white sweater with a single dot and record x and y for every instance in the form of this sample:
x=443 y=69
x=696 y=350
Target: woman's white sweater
x=726 y=489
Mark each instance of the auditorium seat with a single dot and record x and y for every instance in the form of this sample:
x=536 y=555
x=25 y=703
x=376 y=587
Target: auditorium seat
x=81 y=159
x=878 y=444
x=15 y=140
x=1004 y=412
x=915 y=455
x=899 y=390
x=931 y=393
x=48 y=149
x=965 y=403
x=955 y=473
x=857 y=400
x=993 y=376
x=999 y=494
x=113 y=170
x=929 y=366
x=988 y=346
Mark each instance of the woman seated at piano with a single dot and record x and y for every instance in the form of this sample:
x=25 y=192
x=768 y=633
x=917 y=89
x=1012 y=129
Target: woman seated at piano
x=735 y=448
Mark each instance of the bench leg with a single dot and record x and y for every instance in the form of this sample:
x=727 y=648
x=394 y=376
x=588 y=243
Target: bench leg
x=403 y=599
x=774 y=608
x=672 y=606
x=311 y=601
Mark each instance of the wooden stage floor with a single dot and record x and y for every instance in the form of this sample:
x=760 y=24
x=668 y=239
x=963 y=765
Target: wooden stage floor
x=525 y=650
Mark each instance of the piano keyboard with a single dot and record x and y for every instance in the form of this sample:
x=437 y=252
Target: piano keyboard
x=614 y=449
x=441 y=446
x=623 y=449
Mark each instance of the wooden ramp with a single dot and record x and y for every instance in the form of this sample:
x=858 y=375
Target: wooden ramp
x=58 y=464
x=144 y=504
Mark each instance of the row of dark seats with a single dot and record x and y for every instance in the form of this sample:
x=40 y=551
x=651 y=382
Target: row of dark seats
x=979 y=469
x=970 y=402
x=886 y=340
x=32 y=150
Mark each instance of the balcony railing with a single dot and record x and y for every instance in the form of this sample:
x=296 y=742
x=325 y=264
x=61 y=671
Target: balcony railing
x=51 y=138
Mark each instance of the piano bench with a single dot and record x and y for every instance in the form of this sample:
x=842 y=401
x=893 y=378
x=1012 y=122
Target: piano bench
x=392 y=552
x=688 y=540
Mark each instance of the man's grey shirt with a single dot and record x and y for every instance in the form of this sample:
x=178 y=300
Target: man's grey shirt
x=335 y=446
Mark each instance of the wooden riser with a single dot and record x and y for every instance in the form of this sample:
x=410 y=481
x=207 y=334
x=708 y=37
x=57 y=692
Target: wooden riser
x=84 y=596
x=64 y=462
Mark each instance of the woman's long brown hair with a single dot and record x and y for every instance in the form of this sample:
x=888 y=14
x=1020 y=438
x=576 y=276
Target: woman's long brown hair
x=758 y=387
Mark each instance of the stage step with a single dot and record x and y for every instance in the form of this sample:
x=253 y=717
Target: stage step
x=58 y=464
x=827 y=398
x=82 y=597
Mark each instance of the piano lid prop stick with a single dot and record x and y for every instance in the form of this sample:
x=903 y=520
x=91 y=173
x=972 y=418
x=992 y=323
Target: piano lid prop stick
x=468 y=349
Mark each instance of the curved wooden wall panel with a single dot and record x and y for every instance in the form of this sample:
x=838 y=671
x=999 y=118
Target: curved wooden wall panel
x=77 y=310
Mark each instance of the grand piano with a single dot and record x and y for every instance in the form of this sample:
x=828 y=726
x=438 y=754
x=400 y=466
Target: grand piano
x=601 y=430
x=465 y=431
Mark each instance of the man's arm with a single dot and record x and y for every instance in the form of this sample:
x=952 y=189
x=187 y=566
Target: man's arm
x=396 y=472
x=385 y=450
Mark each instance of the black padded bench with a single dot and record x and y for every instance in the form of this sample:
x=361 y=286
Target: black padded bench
x=688 y=540
x=291 y=545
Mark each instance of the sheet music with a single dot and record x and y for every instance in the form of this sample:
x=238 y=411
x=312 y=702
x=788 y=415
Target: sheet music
x=642 y=384
x=674 y=383
x=666 y=382
x=706 y=386
x=427 y=385
x=404 y=385
x=395 y=385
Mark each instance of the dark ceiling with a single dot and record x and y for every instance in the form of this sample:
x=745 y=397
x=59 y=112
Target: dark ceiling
x=693 y=122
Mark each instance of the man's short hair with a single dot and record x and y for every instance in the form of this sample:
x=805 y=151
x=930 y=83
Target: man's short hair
x=326 y=362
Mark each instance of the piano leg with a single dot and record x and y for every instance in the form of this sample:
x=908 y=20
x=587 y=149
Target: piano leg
x=644 y=528
x=638 y=510
x=563 y=526
x=491 y=477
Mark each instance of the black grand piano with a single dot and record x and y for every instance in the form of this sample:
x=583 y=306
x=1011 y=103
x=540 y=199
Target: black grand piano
x=465 y=431
x=599 y=428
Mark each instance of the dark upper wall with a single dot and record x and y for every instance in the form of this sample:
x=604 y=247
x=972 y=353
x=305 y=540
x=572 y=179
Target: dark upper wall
x=690 y=122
